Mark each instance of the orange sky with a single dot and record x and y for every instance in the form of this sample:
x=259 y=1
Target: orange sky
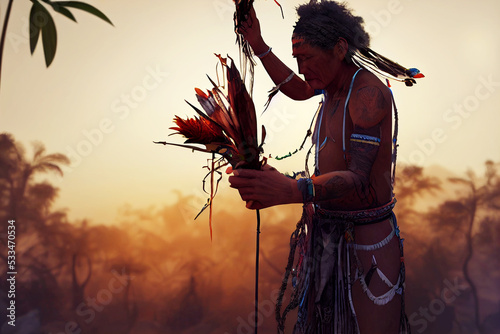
x=111 y=91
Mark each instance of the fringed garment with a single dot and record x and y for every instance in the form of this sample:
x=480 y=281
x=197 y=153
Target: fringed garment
x=321 y=277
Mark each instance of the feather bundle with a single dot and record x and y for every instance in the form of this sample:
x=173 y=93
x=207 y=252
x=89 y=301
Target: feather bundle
x=369 y=59
x=227 y=126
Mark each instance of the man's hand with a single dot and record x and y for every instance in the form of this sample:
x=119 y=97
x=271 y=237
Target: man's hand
x=250 y=29
x=265 y=188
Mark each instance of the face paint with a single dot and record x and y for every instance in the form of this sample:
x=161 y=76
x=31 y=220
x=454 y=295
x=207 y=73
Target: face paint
x=297 y=41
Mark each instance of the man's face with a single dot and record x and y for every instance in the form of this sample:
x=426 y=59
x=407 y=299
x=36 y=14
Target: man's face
x=318 y=66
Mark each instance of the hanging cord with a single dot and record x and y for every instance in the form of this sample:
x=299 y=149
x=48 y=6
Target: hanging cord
x=246 y=54
x=394 y=140
x=281 y=317
x=299 y=238
x=308 y=134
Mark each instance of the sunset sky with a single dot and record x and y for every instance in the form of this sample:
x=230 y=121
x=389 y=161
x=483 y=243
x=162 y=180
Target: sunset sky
x=112 y=91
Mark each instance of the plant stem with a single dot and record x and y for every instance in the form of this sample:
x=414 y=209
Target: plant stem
x=4 y=35
x=211 y=193
x=257 y=272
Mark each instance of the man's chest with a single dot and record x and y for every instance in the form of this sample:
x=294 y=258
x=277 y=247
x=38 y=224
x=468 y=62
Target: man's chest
x=335 y=128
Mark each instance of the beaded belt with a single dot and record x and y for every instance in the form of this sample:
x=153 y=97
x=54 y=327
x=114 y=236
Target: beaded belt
x=359 y=217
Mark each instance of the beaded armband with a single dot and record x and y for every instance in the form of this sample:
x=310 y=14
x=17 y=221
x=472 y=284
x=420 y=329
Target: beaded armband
x=355 y=137
x=306 y=187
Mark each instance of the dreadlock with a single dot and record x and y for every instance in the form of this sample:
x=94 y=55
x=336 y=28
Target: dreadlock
x=321 y=24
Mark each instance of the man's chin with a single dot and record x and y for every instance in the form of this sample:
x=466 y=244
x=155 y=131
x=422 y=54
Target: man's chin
x=315 y=84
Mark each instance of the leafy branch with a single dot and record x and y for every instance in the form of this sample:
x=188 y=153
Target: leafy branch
x=42 y=23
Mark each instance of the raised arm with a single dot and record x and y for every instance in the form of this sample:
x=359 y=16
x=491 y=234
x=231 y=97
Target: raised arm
x=296 y=88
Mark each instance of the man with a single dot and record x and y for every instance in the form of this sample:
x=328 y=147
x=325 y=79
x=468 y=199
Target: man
x=350 y=276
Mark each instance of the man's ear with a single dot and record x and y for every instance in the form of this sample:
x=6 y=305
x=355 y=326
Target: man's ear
x=341 y=48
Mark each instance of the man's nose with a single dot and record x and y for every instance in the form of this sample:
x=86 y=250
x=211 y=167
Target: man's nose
x=301 y=68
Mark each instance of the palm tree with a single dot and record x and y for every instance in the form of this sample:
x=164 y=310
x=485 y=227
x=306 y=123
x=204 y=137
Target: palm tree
x=10 y=157
x=17 y=172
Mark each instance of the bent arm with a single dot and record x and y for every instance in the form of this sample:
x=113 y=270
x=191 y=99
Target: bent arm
x=351 y=187
x=262 y=189
x=296 y=88
x=346 y=188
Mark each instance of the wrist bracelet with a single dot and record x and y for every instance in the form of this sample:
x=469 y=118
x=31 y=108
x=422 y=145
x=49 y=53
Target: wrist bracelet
x=262 y=55
x=275 y=89
x=306 y=187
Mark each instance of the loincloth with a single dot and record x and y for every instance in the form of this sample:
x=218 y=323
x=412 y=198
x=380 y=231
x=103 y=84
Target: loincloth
x=323 y=274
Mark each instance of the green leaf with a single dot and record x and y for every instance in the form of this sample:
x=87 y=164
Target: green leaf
x=35 y=26
x=85 y=7
x=41 y=21
x=49 y=39
x=61 y=10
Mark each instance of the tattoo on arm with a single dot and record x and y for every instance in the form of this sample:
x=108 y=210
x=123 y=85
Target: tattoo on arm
x=333 y=188
x=355 y=182
x=371 y=106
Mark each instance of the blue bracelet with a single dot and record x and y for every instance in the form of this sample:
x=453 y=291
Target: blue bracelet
x=262 y=55
x=306 y=187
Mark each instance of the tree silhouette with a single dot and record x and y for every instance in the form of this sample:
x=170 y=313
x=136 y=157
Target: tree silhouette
x=38 y=227
x=411 y=183
x=17 y=172
x=80 y=250
x=10 y=157
x=155 y=265
x=470 y=217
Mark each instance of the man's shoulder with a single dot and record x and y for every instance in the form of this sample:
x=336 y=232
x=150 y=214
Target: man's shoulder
x=367 y=79
x=370 y=100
